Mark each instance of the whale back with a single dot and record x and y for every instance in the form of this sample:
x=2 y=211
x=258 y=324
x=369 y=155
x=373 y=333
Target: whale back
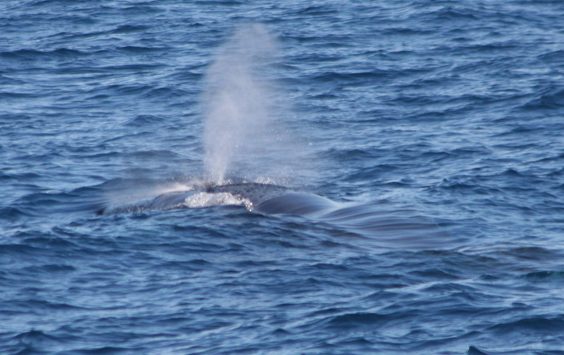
x=275 y=199
x=254 y=192
x=261 y=198
x=297 y=203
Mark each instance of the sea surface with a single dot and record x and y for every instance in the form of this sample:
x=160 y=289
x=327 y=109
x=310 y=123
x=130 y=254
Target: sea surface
x=434 y=129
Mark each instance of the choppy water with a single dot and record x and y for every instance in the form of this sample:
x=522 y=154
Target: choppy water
x=437 y=131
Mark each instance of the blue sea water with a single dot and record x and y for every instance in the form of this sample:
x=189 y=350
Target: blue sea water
x=435 y=126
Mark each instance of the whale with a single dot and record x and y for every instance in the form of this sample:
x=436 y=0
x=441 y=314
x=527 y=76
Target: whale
x=269 y=199
x=383 y=224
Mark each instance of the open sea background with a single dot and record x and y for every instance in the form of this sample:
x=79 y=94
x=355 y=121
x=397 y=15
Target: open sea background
x=415 y=110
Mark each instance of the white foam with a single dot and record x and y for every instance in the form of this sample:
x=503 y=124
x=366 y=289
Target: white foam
x=206 y=199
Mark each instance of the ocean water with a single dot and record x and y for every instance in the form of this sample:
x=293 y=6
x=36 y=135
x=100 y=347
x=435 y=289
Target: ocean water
x=296 y=177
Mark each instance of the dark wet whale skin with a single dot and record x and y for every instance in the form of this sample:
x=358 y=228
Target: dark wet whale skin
x=275 y=199
x=298 y=203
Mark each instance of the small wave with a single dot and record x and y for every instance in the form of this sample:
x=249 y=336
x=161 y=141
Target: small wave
x=546 y=275
x=16 y=95
x=11 y=214
x=145 y=91
x=473 y=350
x=532 y=253
x=450 y=13
x=125 y=29
x=5 y=80
x=34 y=340
x=219 y=3
x=143 y=120
x=551 y=98
x=32 y=54
x=50 y=268
x=359 y=319
x=405 y=31
x=535 y=324
x=356 y=77
x=124 y=67
x=554 y=57
x=318 y=10
x=140 y=49
x=129 y=28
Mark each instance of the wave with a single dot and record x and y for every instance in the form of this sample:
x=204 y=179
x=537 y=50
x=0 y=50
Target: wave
x=550 y=98
x=33 y=54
